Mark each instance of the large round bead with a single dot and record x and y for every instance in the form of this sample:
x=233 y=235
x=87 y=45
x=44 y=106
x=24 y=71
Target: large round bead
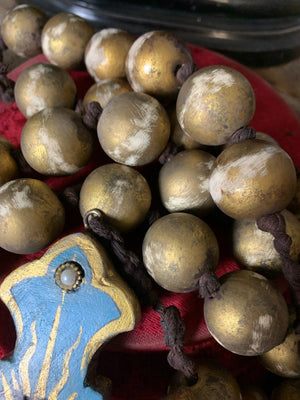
x=31 y=216
x=177 y=249
x=120 y=192
x=213 y=103
x=252 y=178
x=106 y=52
x=8 y=166
x=183 y=182
x=64 y=39
x=152 y=62
x=21 y=30
x=44 y=85
x=103 y=91
x=214 y=383
x=133 y=129
x=284 y=360
x=254 y=249
x=55 y=141
x=249 y=316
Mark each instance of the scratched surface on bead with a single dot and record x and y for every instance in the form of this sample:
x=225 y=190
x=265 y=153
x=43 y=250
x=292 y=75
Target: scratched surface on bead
x=59 y=331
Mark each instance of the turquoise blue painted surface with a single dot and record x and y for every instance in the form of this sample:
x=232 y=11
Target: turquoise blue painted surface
x=82 y=314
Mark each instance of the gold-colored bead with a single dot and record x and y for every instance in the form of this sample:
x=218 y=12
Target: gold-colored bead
x=120 y=192
x=106 y=52
x=214 y=383
x=133 y=129
x=153 y=61
x=105 y=90
x=284 y=360
x=183 y=182
x=289 y=389
x=177 y=249
x=252 y=178
x=213 y=103
x=21 y=30
x=8 y=167
x=178 y=136
x=254 y=249
x=44 y=85
x=31 y=216
x=64 y=39
x=249 y=315
x=55 y=142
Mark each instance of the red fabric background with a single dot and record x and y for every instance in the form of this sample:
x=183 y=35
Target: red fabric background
x=136 y=361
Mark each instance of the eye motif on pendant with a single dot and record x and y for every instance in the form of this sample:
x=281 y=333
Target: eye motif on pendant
x=69 y=276
x=65 y=306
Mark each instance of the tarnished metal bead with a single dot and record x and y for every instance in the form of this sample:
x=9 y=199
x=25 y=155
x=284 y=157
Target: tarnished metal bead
x=289 y=389
x=152 y=62
x=183 y=182
x=120 y=192
x=44 y=85
x=8 y=166
x=105 y=90
x=252 y=392
x=21 y=30
x=284 y=360
x=249 y=316
x=178 y=136
x=55 y=142
x=31 y=216
x=252 y=178
x=177 y=249
x=133 y=129
x=213 y=103
x=214 y=383
x=106 y=52
x=64 y=39
x=254 y=249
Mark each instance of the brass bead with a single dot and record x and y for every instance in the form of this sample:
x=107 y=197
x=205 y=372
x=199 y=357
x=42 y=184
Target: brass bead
x=133 y=129
x=21 y=30
x=106 y=52
x=213 y=103
x=214 y=383
x=31 y=216
x=252 y=178
x=249 y=316
x=8 y=167
x=120 y=192
x=55 y=142
x=177 y=249
x=289 y=389
x=64 y=39
x=254 y=249
x=284 y=360
x=105 y=90
x=152 y=62
x=178 y=136
x=183 y=182
x=44 y=85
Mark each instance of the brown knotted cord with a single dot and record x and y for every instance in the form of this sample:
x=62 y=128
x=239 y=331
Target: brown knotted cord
x=185 y=71
x=6 y=84
x=169 y=153
x=209 y=285
x=242 y=134
x=275 y=224
x=90 y=113
x=135 y=272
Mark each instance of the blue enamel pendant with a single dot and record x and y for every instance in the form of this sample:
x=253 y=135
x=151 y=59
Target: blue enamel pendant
x=65 y=306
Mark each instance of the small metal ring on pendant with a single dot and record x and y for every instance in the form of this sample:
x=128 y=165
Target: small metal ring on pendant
x=95 y=212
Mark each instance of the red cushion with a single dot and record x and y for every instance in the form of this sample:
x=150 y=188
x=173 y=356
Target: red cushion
x=137 y=360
